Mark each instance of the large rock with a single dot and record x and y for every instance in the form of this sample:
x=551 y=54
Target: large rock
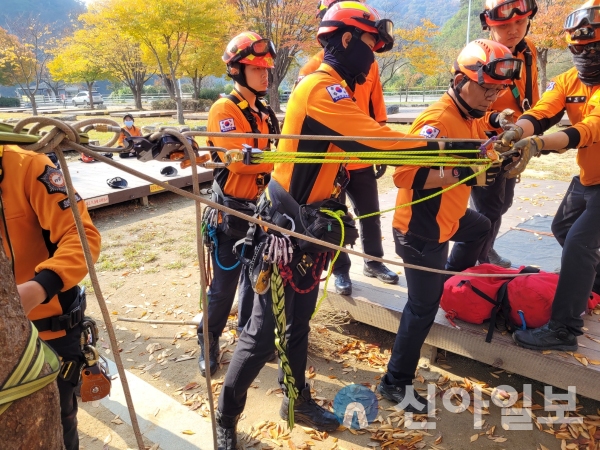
x=393 y=109
x=66 y=118
x=199 y=128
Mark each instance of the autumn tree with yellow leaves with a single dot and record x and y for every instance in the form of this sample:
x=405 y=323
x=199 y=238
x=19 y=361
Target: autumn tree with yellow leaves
x=24 y=55
x=169 y=31
x=414 y=50
x=120 y=54
x=547 y=31
x=290 y=24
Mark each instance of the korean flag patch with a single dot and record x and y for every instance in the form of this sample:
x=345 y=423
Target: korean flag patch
x=337 y=92
x=226 y=125
x=550 y=86
x=429 y=132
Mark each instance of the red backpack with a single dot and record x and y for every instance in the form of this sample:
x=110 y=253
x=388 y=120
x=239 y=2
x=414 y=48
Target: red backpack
x=524 y=302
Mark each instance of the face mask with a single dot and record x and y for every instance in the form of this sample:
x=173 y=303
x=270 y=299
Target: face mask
x=128 y=123
x=588 y=67
x=353 y=63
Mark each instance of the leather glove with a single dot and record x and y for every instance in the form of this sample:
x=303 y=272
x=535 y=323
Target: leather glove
x=506 y=118
x=527 y=148
x=512 y=133
x=485 y=178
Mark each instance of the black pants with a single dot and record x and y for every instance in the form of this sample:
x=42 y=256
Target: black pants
x=221 y=292
x=576 y=227
x=68 y=348
x=493 y=202
x=425 y=288
x=362 y=191
x=257 y=342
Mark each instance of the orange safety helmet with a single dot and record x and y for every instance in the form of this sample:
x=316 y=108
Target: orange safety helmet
x=486 y=61
x=249 y=48
x=323 y=5
x=582 y=25
x=360 y=16
x=499 y=12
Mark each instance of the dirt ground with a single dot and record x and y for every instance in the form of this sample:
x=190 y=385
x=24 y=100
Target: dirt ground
x=148 y=270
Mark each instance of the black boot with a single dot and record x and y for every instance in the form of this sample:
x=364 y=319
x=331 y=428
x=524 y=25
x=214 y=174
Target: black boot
x=226 y=431
x=308 y=413
x=417 y=404
x=552 y=336
x=498 y=260
x=213 y=352
x=343 y=284
x=375 y=269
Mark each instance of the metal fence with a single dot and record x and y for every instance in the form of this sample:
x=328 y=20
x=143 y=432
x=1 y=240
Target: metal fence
x=414 y=94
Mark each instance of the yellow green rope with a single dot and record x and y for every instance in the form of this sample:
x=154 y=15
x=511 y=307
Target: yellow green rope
x=278 y=305
x=23 y=380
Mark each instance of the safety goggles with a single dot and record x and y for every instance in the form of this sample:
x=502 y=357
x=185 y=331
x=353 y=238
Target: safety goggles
x=385 y=31
x=587 y=16
x=499 y=69
x=507 y=10
x=591 y=48
x=262 y=47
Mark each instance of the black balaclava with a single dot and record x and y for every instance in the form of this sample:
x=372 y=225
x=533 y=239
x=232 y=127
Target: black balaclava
x=472 y=112
x=353 y=63
x=241 y=79
x=588 y=67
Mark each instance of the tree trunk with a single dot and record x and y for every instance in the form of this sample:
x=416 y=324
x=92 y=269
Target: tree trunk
x=137 y=97
x=90 y=86
x=274 y=93
x=34 y=110
x=543 y=60
x=32 y=422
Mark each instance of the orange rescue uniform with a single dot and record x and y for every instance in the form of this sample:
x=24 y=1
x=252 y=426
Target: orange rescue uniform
x=368 y=96
x=435 y=219
x=238 y=179
x=42 y=231
x=582 y=103
x=321 y=104
x=133 y=131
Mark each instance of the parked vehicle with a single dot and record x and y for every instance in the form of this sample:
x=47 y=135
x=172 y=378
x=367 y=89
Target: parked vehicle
x=284 y=96
x=83 y=98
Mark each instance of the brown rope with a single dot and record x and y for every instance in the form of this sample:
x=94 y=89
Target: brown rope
x=101 y=302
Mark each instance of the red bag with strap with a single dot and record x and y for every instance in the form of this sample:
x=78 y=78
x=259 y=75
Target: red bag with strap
x=525 y=302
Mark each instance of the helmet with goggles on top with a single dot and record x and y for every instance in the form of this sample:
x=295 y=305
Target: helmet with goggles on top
x=582 y=28
x=500 y=12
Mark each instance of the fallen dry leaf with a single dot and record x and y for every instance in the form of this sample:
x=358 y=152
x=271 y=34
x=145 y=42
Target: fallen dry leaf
x=474 y=437
x=190 y=432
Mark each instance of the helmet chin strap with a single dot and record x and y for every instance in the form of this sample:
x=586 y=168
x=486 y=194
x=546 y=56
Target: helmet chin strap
x=240 y=78
x=472 y=112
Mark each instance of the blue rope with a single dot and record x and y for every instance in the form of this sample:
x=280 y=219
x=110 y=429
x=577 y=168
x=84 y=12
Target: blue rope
x=212 y=233
x=522 y=316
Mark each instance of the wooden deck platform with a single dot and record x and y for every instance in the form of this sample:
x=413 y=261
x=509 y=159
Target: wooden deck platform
x=90 y=180
x=157 y=113
x=380 y=305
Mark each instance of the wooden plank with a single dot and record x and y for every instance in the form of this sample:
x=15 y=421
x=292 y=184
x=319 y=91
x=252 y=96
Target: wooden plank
x=380 y=305
x=157 y=113
x=90 y=180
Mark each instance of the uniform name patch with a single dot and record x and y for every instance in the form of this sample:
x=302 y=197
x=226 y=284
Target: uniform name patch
x=53 y=180
x=429 y=132
x=64 y=204
x=337 y=92
x=226 y=125
x=576 y=99
x=550 y=86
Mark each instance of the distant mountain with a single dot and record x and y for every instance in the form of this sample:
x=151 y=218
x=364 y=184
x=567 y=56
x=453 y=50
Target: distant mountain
x=410 y=12
x=454 y=32
x=49 y=11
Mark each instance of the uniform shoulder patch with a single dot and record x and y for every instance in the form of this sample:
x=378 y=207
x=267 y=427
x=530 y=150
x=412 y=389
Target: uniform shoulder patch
x=337 y=92
x=226 y=125
x=429 y=132
x=550 y=86
x=64 y=204
x=53 y=180
x=576 y=99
